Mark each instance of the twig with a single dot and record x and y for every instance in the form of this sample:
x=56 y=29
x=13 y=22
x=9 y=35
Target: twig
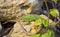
x=29 y=33
x=10 y=32
x=47 y=9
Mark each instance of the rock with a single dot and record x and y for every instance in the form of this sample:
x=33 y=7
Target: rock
x=28 y=28
x=14 y=8
x=1 y=1
x=18 y=32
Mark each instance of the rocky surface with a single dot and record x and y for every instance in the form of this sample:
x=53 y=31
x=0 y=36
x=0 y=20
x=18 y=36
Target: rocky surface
x=14 y=8
x=18 y=31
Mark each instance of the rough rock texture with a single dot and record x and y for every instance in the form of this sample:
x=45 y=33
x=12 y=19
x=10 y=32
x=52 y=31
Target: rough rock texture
x=18 y=32
x=14 y=8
